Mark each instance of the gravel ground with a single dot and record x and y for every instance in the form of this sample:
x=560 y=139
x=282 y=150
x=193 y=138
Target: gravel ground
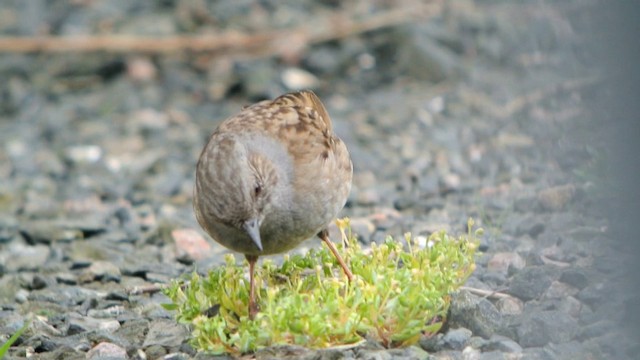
x=488 y=110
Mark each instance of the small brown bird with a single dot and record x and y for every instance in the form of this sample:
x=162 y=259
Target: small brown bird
x=272 y=176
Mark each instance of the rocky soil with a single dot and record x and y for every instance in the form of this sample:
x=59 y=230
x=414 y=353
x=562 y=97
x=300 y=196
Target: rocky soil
x=485 y=109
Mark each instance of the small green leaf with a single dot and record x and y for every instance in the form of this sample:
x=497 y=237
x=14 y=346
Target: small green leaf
x=5 y=347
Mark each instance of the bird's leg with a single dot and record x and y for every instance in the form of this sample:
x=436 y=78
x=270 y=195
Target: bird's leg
x=324 y=236
x=253 y=305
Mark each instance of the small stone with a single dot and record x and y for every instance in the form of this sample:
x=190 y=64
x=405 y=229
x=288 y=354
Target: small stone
x=8 y=229
x=457 y=339
x=190 y=245
x=107 y=350
x=529 y=224
x=432 y=343
x=471 y=353
x=79 y=324
x=595 y=294
x=363 y=228
x=67 y=278
x=155 y=352
x=501 y=262
x=298 y=79
x=494 y=279
x=555 y=198
x=107 y=313
x=538 y=328
x=513 y=140
x=575 y=277
x=141 y=69
x=165 y=333
x=502 y=343
x=176 y=356
x=531 y=282
x=474 y=313
x=46 y=232
x=134 y=331
x=150 y=119
x=18 y=256
x=597 y=329
x=571 y=306
x=451 y=181
x=41 y=281
x=509 y=306
x=83 y=154
x=21 y=296
x=100 y=271
x=559 y=290
x=368 y=197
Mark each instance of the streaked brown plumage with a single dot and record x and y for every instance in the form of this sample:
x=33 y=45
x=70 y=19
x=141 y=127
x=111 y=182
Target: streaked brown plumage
x=272 y=176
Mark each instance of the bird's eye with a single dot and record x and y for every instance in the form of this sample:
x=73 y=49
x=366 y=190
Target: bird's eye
x=257 y=189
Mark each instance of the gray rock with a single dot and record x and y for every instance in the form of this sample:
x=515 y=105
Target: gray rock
x=503 y=344
x=529 y=224
x=166 y=333
x=494 y=355
x=532 y=282
x=176 y=356
x=8 y=229
x=432 y=343
x=105 y=350
x=596 y=329
x=10 y=322
x=134 y=330
x=46 y=232
x=78 y=324
x=575 y=277
x=457 y=339
x=574 y=350
x=155 y=352
x=595 y=295
x=539 y=328
x=363 y=228
x=18 y=256
x=64 y=295
x=41 y=281
x=474 y=313
x=103 y=271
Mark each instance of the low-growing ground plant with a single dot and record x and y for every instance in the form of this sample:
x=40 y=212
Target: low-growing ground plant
x=4 y=348
x=401 y=292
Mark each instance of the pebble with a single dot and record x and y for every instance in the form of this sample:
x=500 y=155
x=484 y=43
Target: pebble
x=166 y=333
x=106 y=350
x=19 y=257
x=501 y=262
x=509 y=306
x=190 y=245
x=457 y=339
x=531 y=282
x=103 y=271
x=555 y=198
x=538 y=328
x=298 y=79
x=474 y=313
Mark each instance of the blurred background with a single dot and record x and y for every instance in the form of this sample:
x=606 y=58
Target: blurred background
x=522 y=115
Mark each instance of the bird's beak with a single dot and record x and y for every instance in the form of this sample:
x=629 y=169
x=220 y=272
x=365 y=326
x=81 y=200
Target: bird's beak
x=252 y=227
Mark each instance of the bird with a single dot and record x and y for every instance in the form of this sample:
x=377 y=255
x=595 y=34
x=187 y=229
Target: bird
x=270 y=177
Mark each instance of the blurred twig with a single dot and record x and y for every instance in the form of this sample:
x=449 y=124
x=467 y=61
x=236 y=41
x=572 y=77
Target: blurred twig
x=331 y=27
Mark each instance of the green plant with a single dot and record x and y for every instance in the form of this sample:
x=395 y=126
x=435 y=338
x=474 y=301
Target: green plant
x=5 y=347
x=401 y=292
